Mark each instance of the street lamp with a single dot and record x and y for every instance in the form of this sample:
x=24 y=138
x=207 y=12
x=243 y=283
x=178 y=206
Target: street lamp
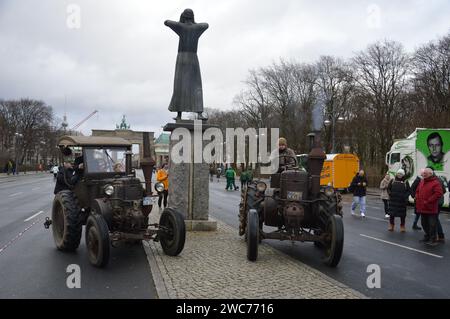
x=333 y=121
x=16 y=135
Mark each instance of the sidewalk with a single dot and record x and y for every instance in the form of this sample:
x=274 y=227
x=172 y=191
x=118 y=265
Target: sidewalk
x=214 y=265
x=5 y=175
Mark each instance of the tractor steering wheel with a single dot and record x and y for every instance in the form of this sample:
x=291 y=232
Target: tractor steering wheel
x=286 y=166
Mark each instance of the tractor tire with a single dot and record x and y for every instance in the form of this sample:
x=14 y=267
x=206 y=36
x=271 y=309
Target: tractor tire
x=173 y=234
x=97 y=240
x=252 y=235
x=66 y=221
x=335 y=244
x=248 y=200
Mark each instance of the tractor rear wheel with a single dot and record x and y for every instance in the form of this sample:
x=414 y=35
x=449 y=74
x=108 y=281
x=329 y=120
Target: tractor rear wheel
x=66 y=221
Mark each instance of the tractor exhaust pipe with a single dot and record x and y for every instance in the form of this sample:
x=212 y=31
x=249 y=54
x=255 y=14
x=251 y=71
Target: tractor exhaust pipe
x=147 y=165
x=316 y=157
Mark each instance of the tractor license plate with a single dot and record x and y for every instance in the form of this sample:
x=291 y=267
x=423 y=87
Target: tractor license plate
x=149 y=201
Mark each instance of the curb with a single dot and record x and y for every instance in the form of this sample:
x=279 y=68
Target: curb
x=160 y=286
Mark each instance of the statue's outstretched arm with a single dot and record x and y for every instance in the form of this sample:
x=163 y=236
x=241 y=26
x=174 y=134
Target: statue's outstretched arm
x=174 y=25
x=202 y=27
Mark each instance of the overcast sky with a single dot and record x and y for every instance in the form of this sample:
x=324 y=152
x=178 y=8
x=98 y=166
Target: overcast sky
x=119 y=58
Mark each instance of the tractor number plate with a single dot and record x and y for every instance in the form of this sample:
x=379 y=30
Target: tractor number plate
x=294 y=196
x=149 y=201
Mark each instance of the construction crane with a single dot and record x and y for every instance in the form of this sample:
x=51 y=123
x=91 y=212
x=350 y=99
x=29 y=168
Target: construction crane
x=84 y=120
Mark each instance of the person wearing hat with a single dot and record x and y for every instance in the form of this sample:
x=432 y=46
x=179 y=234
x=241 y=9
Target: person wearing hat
x=399 y=191
x=286 y=156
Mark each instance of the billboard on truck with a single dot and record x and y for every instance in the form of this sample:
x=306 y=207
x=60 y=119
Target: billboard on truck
x=424 y=147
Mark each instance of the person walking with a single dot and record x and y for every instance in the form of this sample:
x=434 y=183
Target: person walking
x=440 y=232
x=212 y=171
x=428 y=193
x=218 y=173
x=243 y=178
x=399 y=191
x=384 y=194
x=162 y=176
x=358 y=187
x=413 y=195
x=230 y=175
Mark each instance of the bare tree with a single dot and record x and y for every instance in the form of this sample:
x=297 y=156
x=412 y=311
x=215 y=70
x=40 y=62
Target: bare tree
x=382 y=74
x=431 y=83
x=334 y=84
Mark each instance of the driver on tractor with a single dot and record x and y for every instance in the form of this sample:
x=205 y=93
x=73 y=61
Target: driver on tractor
x=286 y=156
x=68 y=174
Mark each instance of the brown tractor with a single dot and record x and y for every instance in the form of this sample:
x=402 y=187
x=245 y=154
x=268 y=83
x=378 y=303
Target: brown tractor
x=299 y=208
x=112 y=203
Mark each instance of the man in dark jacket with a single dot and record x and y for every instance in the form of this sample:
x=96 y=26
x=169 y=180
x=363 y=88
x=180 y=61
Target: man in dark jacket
x=65 y=179
x=358 y=187
x=399 y=192
x=428 y=193
x=413 y=195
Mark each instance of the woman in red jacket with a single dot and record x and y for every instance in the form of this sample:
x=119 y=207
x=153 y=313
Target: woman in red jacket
x=428 y=193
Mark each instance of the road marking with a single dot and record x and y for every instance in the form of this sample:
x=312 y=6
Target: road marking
x=31 y=217
x=35 y=189
x=373 y=207
x=398 y=245
x=8 y=244
x=376 y=218
x=15 y=194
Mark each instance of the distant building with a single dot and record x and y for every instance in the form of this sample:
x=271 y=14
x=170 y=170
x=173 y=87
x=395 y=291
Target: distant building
x=162 y=149
x=135 y=137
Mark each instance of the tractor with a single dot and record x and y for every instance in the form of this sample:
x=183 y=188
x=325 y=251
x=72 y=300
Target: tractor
x=109 y=200
x=297 y=207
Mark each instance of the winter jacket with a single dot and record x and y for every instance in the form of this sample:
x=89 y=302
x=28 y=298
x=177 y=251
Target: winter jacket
x=428 y=193
x=399 y=192
x=161 y=176
x=414 y=186
x=229 y=173
x=441 y=200
x=65 y=179
x=357 y=187
x=384 y=186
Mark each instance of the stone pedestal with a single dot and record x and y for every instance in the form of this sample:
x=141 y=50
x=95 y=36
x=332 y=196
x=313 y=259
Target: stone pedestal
x=189 y=183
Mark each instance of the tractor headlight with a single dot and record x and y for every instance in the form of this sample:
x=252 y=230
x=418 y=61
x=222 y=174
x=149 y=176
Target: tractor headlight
x=109 y=190
x=261 y=187
x=159 y=187
x=329 y=191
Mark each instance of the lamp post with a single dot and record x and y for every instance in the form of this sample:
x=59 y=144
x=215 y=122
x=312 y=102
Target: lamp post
x=16 y=136
x=333 y=121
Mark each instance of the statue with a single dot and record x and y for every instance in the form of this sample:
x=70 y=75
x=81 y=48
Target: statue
x=123 y=124
x=187 y=89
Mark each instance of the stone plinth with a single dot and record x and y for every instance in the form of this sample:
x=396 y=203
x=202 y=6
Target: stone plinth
x=189 y=183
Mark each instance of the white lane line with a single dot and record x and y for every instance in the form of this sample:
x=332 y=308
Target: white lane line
x=31 y=217
x=376 y=218
x=35 y=189
x=15 y=194
x=398 y=245
x=12 y=241
x=374 y=207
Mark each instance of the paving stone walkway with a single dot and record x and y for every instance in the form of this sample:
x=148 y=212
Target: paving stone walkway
x=214 y=265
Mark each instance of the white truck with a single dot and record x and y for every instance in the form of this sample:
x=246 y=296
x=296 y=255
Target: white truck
x=424 y=147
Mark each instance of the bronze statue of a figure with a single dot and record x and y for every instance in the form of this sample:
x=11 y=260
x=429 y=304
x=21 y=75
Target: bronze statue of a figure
x=187 y=89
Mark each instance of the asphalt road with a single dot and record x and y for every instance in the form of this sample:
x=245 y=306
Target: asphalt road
x=409 y=269
x=31 y=266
